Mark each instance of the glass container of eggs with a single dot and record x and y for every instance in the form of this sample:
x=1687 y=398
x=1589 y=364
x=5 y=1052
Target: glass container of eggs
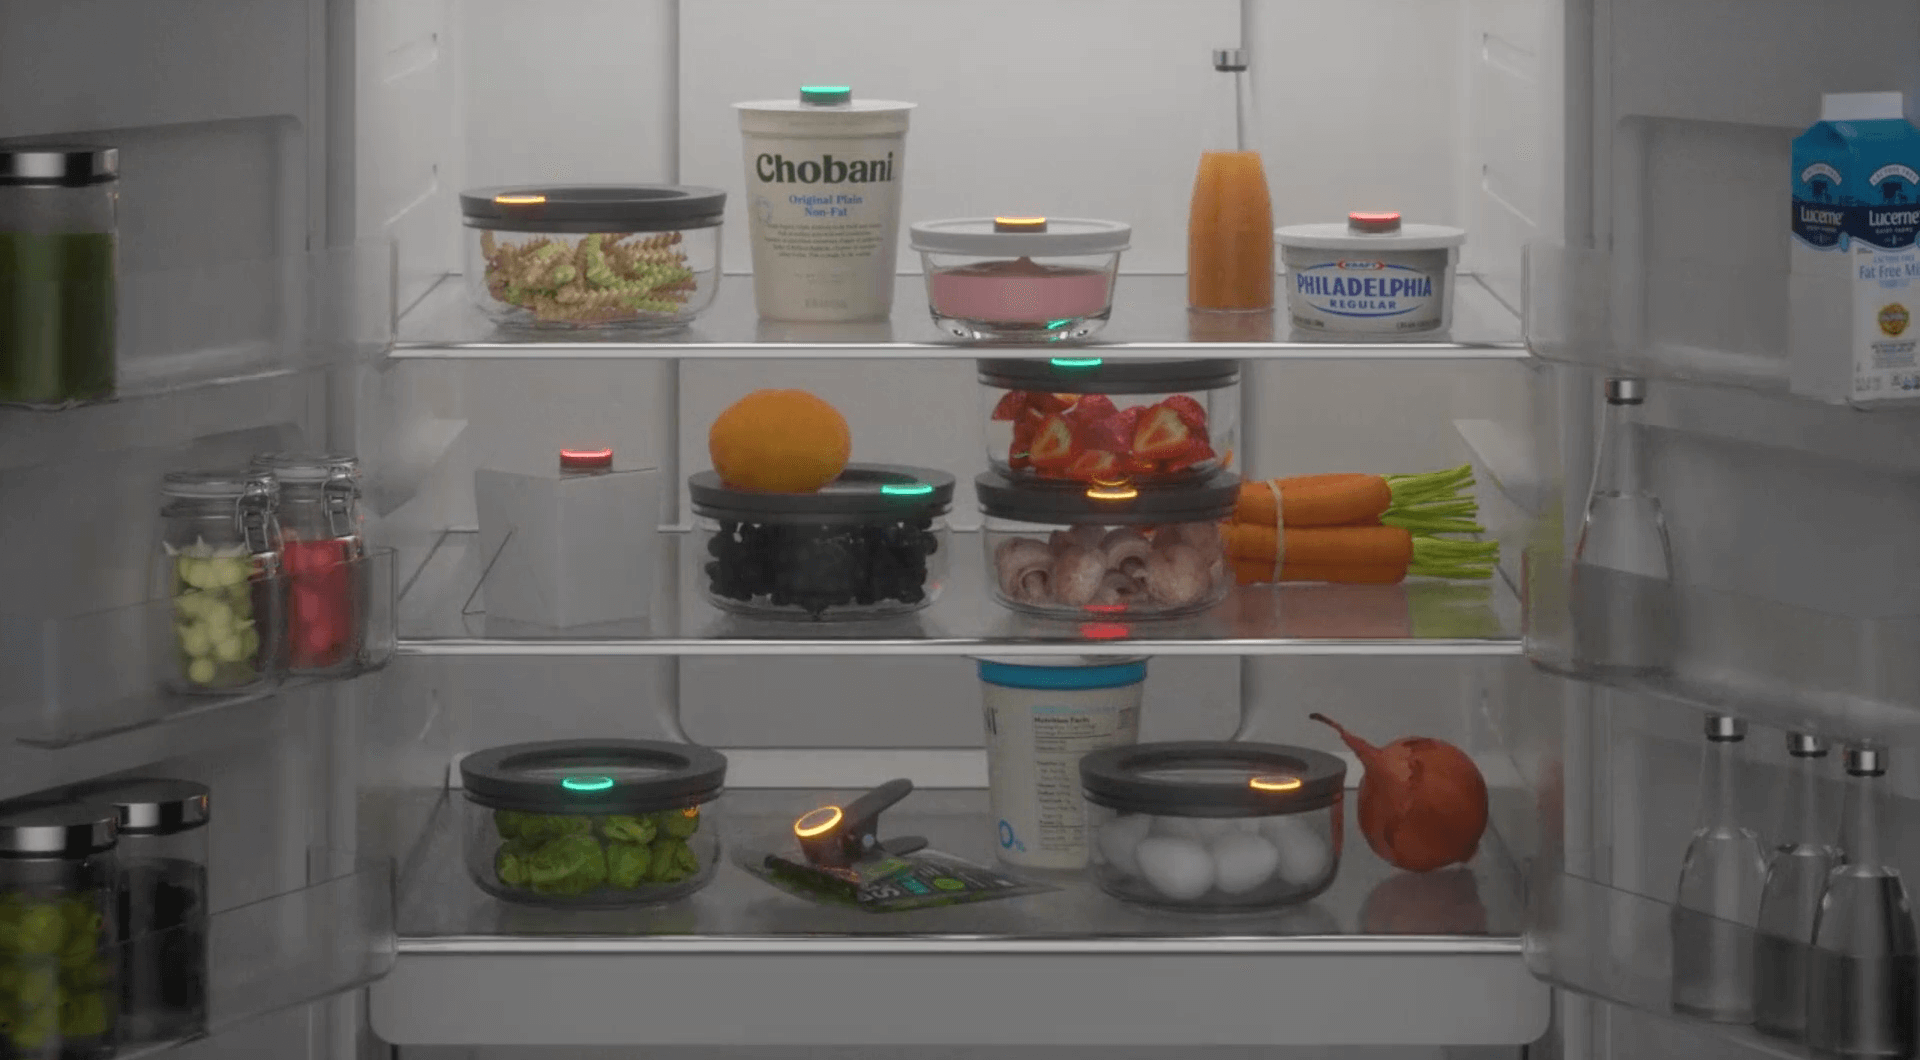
x=1214 y=826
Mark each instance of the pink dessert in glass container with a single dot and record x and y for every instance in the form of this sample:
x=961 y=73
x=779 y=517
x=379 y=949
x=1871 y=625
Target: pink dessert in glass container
x=1020 y=279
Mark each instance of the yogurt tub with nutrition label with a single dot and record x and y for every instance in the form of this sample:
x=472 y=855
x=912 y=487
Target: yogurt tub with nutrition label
x=1371 y=276
x=823 y=203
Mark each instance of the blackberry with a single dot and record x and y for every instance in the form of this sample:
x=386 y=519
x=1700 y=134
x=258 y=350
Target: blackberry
x=817 y=568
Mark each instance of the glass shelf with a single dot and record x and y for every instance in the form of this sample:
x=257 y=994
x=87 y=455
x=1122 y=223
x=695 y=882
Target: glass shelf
x=56 y=692
x=333 y=935
x=1150 y=320
x=1771 y=663
x=441 y=614
x=1066 y=964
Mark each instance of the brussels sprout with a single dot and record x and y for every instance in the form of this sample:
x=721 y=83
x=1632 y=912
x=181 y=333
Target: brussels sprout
x=678 y=824
x=668 y=861
x=626 y=865
x=86 y=1014
x=511 y=865
x=628 y=829
x=575 y=859
x=536 y=827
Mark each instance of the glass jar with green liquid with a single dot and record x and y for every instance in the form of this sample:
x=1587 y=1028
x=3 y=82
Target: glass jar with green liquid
x=57 y=301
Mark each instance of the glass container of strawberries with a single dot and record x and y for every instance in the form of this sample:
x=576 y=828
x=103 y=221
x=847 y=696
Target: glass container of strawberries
x=1088 y=419
x=320 y=523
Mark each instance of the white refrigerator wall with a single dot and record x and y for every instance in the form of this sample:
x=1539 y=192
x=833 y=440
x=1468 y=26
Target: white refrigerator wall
x=1438 y=108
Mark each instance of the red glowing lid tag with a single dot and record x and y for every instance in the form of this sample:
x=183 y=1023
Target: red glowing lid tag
x=1383 y=223
x=586 y=459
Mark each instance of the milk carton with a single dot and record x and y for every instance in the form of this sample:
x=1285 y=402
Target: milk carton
x=1854 y=271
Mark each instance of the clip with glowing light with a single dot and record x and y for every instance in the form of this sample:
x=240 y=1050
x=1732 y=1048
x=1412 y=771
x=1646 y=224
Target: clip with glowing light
x=1274 y=783
x=906 y=489
x=586 y=459
x=1019 y=224
x=843 y=836
x=1105 y=490
x=1074 y=362
x=586 y=783
x=520 y=200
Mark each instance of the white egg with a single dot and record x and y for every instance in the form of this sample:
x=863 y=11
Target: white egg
x=1177 y=827
x=1118 y=838
x=1181 y=869
x=1210 y=828
x=1304 y=855
x=1249 y=825
x=1242 y=862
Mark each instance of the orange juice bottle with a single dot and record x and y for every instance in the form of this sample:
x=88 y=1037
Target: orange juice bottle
x=1230 y=228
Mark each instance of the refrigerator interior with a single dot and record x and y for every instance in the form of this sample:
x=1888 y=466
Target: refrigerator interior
x=288 y=218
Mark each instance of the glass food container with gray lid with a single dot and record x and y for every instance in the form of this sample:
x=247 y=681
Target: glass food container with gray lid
x=57 y=273
x=1214 y=826
x=163 y=857
x=593 y=256
x=57 y=910
x=594 y=823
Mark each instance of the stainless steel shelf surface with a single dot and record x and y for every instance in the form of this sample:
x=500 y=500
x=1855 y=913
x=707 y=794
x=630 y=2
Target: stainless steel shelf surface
x=440 y=614
x=742 y=963
x=1150 y=320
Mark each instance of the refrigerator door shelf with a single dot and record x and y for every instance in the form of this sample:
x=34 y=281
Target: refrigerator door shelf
x=1767 y=662
x=444 y=613
x=68 y=680
x=1150 y=321
x=741 y=963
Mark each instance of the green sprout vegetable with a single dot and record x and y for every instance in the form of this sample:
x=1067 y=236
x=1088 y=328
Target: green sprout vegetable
x=627 y=865
x=513 y=824
x=678 y=823
x=570 y=865
x=627 y=829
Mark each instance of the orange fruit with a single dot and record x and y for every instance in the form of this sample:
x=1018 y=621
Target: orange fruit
x=779 y=441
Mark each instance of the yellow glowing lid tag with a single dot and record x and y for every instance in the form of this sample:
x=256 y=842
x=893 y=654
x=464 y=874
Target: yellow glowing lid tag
x=1111 y=491
x=817 y=822
x=1274 y=783
x=519 y=200
x=1019 y=224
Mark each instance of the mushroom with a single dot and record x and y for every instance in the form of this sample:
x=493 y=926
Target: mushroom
x=1204 y=536
x=1077 y=574
x=1177 y=576
x=1116 y=588
x=1022 y=564
x=1126 y=550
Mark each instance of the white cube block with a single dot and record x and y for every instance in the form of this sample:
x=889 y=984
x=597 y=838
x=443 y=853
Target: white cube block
x=568 y=549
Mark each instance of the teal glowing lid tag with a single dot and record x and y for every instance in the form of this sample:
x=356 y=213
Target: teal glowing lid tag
x=587 y=783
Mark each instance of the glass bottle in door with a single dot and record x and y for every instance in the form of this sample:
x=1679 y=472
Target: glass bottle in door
x=1862 y=972
x=1623 y=565
x=1230 y=227
x=1718 y=902
x=1803 y=855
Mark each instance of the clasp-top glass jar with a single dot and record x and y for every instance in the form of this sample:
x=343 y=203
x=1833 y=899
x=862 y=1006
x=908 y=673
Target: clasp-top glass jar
x=220 y=535
x=57 y=297
x=163 y=910
x=320 y=530
x=57 y=886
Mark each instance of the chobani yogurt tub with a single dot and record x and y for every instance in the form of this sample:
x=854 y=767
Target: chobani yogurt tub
x=1020 y=279
x=1372 y=275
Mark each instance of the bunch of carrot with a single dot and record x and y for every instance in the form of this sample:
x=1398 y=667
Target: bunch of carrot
x=1358 y=529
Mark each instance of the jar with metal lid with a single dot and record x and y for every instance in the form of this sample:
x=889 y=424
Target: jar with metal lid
x=220 y=535
x=162 y=907
x=57 y=909
x=321 y=538
x=57 y=266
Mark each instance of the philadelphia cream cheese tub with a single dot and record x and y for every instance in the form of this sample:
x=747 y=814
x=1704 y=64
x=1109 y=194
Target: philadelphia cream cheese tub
x=1372 y=276
x=823 y=203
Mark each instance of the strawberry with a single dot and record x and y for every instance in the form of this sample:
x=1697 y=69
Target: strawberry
x=1197 y=453
x=1190 y=411
x=1092 y=408
x=1048 y=404
x=1094 y=464
x=1053 y=444
x=1161 y=434
x=1107 y=434
x=1012 y=404
x=1129 y=418
x=1141 y=467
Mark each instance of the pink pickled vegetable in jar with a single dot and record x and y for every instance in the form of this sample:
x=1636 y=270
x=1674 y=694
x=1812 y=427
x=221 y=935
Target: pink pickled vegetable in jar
x=322 y=545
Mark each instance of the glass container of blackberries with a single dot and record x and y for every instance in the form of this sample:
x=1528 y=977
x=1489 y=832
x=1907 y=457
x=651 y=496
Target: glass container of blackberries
x=871 y=543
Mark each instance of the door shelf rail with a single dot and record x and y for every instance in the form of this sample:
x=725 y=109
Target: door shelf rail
x=1150 y=320
x=442 y=612
x=1618 y=946
x=1839 y=676
x=1064 y=967
x=71 y=679
x=333 y=935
